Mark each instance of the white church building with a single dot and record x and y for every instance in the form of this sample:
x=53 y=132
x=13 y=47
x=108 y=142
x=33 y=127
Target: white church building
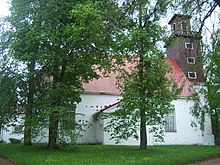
x=102 y=96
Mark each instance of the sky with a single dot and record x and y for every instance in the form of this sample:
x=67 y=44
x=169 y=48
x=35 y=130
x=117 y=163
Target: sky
x=4 y=8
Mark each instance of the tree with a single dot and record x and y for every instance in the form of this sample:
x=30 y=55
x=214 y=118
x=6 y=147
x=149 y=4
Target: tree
x=58 y=44
x=24 y=44
x=147 y=93
x=213 y=84
x=8 y=95
x=83 y=46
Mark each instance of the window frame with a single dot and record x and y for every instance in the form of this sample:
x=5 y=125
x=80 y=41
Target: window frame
x=191 y=58
x=188 y=43
x=19 y=127
x=170 y=126
x=190 y=77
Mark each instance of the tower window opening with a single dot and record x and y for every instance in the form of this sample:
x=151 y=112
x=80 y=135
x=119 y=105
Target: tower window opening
x=192 y=75
x=173 y=27
x=184 y=26
x=191 y=60
x=189 y=45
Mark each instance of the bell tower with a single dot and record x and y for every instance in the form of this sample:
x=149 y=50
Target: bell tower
x=184 y=48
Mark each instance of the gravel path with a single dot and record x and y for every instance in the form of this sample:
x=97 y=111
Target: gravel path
x=4 y=161
x=208 y=161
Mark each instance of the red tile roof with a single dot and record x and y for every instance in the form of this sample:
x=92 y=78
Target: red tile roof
x=106 y=85
x=180 y=78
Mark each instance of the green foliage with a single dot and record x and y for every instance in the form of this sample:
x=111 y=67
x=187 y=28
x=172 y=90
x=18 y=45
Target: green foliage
x=68 y=129
x=213 y=71
x=8 y=80
x=213 y=83
x=200 y=12
x=58 y=43
x=205 y=103
x=147 y=93
x=156 y=101
x=171 y=40
x=8 y=94
x=200 y=107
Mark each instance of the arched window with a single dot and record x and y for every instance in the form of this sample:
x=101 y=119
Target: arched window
x=184 y=26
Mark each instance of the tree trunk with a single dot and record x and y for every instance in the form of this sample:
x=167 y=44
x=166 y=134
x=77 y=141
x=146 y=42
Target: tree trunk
x=30 y=102
x=54 y=116
x=27 y=129
x=143 y=132
x=215 y=127
x=53 y=130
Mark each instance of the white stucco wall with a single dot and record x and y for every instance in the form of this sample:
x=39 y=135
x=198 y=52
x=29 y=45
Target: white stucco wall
x=92 y=103
x=185 y=134
x=89 y=106
x=8 y=131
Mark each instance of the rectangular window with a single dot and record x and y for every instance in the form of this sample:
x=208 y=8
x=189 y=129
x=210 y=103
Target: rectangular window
x=189 y=45
x=192 y=75
x=170 y=122
x=18 y=129
x=191 y=60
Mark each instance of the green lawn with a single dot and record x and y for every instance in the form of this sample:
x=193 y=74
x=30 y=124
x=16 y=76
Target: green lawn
x=98 y=154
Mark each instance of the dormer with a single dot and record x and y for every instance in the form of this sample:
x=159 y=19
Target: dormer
x=180 y=24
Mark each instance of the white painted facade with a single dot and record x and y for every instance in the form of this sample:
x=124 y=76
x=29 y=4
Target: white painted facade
x=91 y=104
x=9 y=131
x=185 y=134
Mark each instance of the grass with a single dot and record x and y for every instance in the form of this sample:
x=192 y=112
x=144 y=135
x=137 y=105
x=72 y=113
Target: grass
x=104 y=155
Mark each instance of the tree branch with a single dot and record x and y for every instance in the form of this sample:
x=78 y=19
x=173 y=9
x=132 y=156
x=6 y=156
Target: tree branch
x=218 y=2
x=207 y=16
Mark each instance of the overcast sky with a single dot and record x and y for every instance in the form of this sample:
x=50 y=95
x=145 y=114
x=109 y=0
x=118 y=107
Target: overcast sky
x=3 y=8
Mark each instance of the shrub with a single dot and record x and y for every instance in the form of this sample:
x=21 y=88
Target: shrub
x=2 y=141
x=15 y=141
